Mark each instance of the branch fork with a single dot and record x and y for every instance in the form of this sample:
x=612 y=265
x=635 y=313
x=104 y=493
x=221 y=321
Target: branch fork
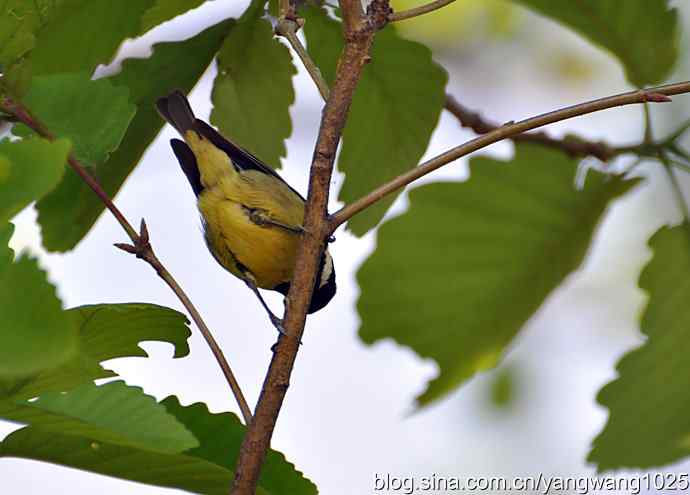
x=141 y=246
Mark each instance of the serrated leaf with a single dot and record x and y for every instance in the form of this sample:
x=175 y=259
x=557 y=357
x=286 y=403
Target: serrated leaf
x=648 y=423
x=30 y=169
x=395 y=109
x=252 y=92
x=220 y=436
x=105 y=331
x=81 y=34
x=642 y=34
x=70 y=211
x=113 y=412
x=206 y=469
x=35 y=333
x=164 y=10
x=94 y=115
x=471 y=262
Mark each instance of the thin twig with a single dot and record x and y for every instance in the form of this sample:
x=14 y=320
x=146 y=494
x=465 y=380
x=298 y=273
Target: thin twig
x=417 y=11
x=677 y=150
x=140 y=246
x=287 y=27
x=574 y=147
x=287 y=8
x=359 y=31
x=658 y=94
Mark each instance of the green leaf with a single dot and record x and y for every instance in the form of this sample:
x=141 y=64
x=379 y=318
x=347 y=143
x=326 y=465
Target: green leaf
x=394 y=111
x=205 y=469
x=648 y=422
x=29 y=169
x=70 y=211
x=164 y=10
x=502 y=388
x=642 y=34
x=35 y=333
x=19 y=22
x=81 y=34
x=113 y=412
x=6 y=253
x=106 y=331
x=14 y=41
x=457 y=276
x=220 y=436
x=94 y=115
x=253 y=91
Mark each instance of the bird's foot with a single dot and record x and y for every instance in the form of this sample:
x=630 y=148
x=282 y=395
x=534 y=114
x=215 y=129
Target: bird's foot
x=261 y=218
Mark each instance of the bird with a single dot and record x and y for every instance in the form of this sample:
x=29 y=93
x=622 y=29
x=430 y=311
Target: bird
x=252 y=218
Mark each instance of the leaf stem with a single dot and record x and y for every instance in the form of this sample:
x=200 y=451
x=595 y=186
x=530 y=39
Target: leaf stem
x=140 y=246
x=682 y=165
x=359 y=31
x=658 y=94
x=417 y=11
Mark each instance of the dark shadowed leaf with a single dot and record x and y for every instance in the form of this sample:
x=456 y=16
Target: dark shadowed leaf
x=35 y=333
x=206 y=469
x=472 y=261
x=70 y=211
x=94 y=115
x=642 y=34
x=164 y=10
x=106 y=331
x=253 y=91
x=29 y=169
x=395 y=109
x=648 y=422
x=113 y=412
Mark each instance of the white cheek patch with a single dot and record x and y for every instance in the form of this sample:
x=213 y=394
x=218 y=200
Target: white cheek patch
x=327 y=268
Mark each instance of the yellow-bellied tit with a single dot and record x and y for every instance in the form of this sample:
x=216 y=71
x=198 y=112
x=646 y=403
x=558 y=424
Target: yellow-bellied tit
x=252 y=218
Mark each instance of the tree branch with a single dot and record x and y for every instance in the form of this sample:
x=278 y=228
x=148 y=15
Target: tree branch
x=658 y=94
x=140 y=246
x=417 y=11
x=571 y=146
x=359 y=31
x=287 y=27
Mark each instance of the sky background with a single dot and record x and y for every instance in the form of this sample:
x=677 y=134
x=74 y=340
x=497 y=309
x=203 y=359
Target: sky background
x=349 y=411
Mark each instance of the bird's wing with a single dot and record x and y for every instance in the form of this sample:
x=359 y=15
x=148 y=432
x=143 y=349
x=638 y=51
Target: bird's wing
x=240 y=157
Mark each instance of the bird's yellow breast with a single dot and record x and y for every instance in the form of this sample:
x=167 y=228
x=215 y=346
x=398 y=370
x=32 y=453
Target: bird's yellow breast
x=267 y=252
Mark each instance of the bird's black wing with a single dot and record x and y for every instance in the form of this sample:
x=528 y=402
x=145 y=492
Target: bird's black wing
x=242 y=158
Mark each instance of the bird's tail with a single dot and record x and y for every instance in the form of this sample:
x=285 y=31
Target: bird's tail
x=175 y=109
